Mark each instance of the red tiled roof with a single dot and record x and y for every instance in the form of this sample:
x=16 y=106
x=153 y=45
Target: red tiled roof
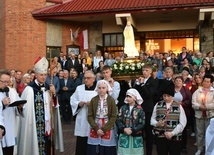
x=54 y=1
x=75 y=7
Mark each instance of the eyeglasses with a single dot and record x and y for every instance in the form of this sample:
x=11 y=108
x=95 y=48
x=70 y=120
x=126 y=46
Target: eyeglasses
x=5 y=82
x=87 y=78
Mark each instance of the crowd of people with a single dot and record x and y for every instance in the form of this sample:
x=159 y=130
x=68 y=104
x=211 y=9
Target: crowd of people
x=173 y=94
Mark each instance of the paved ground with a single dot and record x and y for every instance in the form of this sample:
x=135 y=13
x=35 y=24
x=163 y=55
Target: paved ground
x=70 y=140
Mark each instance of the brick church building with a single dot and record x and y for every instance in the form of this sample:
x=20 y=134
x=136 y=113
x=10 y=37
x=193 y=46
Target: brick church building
x=29 y=29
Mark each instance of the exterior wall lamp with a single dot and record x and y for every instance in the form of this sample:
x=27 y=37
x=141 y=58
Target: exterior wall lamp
x=203 y=38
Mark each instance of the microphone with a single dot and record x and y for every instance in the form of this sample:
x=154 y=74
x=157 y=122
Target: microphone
x=6 y=90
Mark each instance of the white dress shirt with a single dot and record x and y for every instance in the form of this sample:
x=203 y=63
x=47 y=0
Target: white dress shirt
x=182 y=119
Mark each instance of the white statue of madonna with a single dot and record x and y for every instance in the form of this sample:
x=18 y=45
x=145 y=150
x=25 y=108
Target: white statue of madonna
x=129 y=47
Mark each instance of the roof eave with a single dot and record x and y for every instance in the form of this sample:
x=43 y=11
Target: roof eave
x=122 y=10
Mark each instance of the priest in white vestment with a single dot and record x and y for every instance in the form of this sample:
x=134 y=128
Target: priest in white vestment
x=9 y=140
x=5 y=101
x=80 y=101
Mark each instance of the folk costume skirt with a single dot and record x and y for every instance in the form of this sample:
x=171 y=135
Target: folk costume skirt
x=105 y=145
x=129 y=145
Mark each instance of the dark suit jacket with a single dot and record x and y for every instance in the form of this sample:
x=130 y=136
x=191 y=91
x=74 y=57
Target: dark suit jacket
x=64 y=65
x=60 y=61
x=65 y=95
x=147 y=92
x=74 y=65
x=76 y=82
x=81 y=68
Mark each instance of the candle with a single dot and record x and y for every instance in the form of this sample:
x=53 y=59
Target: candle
x=204 y=114
x=202 y=98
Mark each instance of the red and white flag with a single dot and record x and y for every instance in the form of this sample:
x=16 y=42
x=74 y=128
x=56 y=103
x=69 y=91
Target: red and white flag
x=83 y=39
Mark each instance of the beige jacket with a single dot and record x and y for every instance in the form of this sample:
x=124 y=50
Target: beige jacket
x=208 y=100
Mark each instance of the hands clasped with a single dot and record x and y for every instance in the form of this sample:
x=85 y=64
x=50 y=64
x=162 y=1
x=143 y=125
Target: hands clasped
x=203 y=107
x=100 y=132
x=168 y=135
x=82 y=103
x=128 y=131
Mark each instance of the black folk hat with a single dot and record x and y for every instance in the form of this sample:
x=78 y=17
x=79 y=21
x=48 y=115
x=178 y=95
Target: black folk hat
x=169 y=89
x=166 y=87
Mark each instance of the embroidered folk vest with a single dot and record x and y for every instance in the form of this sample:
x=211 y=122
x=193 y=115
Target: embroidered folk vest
x=170 y=117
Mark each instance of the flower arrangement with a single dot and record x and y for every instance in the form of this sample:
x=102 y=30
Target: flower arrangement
x=127 y=68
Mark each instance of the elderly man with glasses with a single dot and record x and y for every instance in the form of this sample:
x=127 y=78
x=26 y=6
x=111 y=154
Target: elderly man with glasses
x=80 y=101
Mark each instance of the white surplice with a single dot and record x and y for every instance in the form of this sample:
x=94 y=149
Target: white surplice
x=9 y=114
x=2 y=96
x=81 y=125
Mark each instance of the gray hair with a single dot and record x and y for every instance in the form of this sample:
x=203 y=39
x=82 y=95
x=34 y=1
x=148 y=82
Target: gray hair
x=91 y=72
x=168 y=68
x=25 y=76
x=185 y=72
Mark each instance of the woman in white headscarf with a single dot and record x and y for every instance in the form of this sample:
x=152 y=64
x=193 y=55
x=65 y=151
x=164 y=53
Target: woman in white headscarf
x=130 y=122
x=101 y=117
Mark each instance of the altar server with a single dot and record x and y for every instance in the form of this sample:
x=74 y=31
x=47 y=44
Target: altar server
x=80 y=101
